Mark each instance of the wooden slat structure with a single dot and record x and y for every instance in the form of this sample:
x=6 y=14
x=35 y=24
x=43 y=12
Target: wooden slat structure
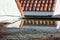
x=19 y=7
x=38 y=22
x=38 y=5
x=36 y=8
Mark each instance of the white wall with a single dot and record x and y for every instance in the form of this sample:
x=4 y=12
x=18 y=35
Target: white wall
x=8 y=7
x=57 y=9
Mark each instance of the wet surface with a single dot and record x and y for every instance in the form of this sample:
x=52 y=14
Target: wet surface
x=30 y=29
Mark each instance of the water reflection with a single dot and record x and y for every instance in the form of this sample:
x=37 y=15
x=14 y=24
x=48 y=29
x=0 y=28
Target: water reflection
x=39 y=22
x=32 y=28
x=58 y=24
x=33 y=23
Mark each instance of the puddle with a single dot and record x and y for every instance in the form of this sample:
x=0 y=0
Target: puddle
x=32 y=29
